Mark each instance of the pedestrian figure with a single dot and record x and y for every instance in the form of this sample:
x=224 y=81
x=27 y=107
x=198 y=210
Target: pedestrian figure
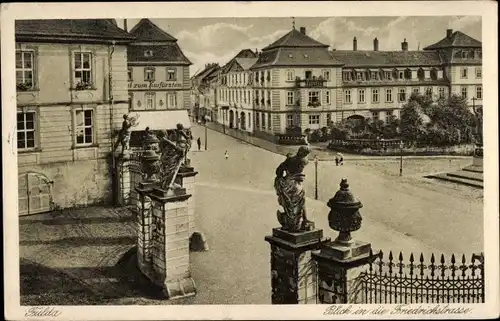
x=198 y=141
x=336 y=160
x=226 y=155
x=341 y=158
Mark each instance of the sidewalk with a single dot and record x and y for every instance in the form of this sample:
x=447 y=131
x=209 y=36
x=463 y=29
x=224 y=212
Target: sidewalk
x=318 y=149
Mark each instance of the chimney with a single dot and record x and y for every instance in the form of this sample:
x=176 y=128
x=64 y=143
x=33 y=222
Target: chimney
x=354 y=44
x=303 y=30
x=125 y=25
x=449 y=32
x=404 y=45
x=375 y=44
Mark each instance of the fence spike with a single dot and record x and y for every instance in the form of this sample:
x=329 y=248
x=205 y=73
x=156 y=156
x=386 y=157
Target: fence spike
x=411 y=257
x=453 y=259
x=401 y=256
x=390 y=256
x=432 y=258
x=442 y=259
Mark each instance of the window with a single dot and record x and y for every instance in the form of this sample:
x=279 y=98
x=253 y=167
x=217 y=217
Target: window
x=26 y=130
x=328 y=119
x=441 y=92
x=347 y=96
x=375 y=115
x=289 y=121
x=172 y=100
x=326 y=75
x=388 y=95
x=130 y=74
x=263 y=121
x=289 y=75
x=464 y=54
x=314 y=120
x=428 y=92
x=257 y=120
x=463 y=72
x=150 y=100
x=314 y=97
x=388 y=75
x=361 y=95
x=402 y=94
x=149 y=74
x=388 y=114
x=374 y=75
x=416 y=90
x=268 y=76
x=269 y=97
x=308 y=74
x=245 y=96
x=479 y=92
x=401 y=75
x=289 y=98
x=268 y=121
x=359 y=76
x=347 y=76
x=24 y=69
x=327 y=97
x=479 y=72
x=463 y=91
x=83 y=68
x=171 y=74
x=84 y=127
x=148 y=53
x=375 y=95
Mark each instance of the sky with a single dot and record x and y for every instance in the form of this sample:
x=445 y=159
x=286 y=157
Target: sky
x=208 y=40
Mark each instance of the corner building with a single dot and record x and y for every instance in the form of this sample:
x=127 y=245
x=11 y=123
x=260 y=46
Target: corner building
x=71 y=79
x=296 y=84
x=158 y=79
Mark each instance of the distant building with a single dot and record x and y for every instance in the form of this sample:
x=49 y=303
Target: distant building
x=236 y=91
x=377 y=83
x=297 y=84
x=158 y=79
x=202 y=89
x=71 y=95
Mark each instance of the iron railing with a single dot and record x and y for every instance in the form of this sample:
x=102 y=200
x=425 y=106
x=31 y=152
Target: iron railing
x=414 y=281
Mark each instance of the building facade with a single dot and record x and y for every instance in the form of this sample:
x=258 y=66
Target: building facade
x=376 y=83
x=296 y=84
x=71 y=95
x=203 y=91
x=158 y=78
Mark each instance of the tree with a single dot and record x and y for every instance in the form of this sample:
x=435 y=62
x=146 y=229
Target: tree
x=411 y=123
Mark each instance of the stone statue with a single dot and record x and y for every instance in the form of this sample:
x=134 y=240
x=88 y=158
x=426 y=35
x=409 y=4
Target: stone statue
x=291 y=194
x=174 y=148
x=125 y=132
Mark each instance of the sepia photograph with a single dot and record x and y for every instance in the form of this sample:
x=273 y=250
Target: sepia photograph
x=197 y=159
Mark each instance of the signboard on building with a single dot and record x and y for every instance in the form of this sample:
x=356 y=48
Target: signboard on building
x=153 y=85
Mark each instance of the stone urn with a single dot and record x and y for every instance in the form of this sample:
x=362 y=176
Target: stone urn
x=344 y=215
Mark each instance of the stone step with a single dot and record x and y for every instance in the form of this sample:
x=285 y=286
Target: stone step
x=457 y=180
x=473 y=168
x=475 y=176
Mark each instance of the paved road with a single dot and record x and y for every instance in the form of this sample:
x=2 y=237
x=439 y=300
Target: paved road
x=442 y=217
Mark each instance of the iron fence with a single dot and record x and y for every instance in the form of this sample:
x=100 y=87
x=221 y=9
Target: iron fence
x=396 y=281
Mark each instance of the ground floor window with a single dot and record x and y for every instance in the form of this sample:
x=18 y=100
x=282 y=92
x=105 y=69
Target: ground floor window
x=26 y=130
x=314 y=121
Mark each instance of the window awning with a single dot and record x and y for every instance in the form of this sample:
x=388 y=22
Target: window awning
x=387 y=69
x=162 y=119
x=360 y=70
x=374 y=70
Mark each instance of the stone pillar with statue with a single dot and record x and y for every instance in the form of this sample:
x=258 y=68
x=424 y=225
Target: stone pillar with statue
x=163 y=238
x=478 y=150
x=293 y=272
x=340 y=261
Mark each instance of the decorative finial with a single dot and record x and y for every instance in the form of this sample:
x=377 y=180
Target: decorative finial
x=293 y=22
x=344 y=185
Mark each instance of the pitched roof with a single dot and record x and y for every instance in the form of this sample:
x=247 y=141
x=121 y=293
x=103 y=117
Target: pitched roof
x=352 y=58
x=209 y=70
x=296 y=57
x=246 y=63
x=146 y=30
x=165 y=53
x=246 y=53
x=81 y=30
x=295 y=39
x=457 y=39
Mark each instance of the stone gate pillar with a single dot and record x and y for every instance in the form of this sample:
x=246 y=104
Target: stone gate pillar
x=170 y=243
x=293 y=272
x=339 y=262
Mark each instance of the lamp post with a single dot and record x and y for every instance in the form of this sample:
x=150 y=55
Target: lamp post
x=316 y=177
x=401 y=158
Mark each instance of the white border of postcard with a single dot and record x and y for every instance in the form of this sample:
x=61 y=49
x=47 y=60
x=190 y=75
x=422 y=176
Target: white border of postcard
x=10 y=12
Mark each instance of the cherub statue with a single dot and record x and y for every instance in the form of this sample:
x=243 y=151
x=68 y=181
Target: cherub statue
x=125 y=132
x=291 y=194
